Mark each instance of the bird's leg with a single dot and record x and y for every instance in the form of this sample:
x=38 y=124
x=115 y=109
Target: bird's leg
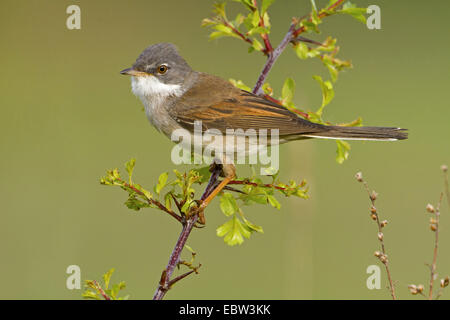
x=229 y=173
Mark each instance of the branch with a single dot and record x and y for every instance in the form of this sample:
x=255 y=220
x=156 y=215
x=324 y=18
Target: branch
x=165 y=282
x=291 y=36
x=273 y=56
x=267 y=185
x=444 y=169
x=321 y=15
x=435 y=228
x=374 y=214
x=152 y=201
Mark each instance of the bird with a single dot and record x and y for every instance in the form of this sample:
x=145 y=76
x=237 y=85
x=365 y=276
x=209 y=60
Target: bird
x=177 y=97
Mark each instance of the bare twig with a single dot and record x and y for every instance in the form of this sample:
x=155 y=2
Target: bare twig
x=435 y=228
x=374 y=215
x=444 y=169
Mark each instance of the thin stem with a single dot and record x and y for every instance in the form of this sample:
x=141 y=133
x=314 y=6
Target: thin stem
x=102 y=292
x=163 y=286
x=291 y=36
x=383 y=258
x=320 y=15
x=188 y=225
x=153 y=201
x=435 y=251
x=272 y=58
x=267 y=185
x=444 y=168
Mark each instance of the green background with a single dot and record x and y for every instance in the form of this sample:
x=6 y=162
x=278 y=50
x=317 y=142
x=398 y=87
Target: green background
x=67 y=116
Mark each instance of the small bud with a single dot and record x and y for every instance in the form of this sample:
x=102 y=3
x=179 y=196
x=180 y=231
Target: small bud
x=373 y=209
x=433 y=227
x=373 y=196
x=433 y=221
x=445 y=282
x=413 y=289
x=373 y=216
x=444 y=168
x=384 y=223
x=358 y=177
x=380 y=236
x=377 y=254
x=430 y=208
x=383 y=258
x=420 y=288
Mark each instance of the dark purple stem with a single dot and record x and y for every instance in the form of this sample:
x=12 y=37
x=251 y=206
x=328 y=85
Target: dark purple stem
x=165 y=282
x=272 y=58
x=163 y=287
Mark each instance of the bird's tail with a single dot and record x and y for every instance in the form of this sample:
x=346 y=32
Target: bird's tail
x=361 y=133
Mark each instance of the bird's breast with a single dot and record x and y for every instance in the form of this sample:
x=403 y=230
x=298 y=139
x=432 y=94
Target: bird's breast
x=155 y=97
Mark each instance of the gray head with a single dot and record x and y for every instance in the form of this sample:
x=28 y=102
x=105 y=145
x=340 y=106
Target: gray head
x=162 y=61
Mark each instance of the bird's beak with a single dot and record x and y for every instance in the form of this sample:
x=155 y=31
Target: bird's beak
x=133 y=72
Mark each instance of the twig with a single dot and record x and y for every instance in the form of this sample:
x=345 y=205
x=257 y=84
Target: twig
x=165 y=282
x=268 y=46
x=100 y=289
x=321 y=15
x=152 y=201
x=374 y=214
x=291 y=36
x=444 y=169
x=273 y=56
x=435 y=228
x=267 y=185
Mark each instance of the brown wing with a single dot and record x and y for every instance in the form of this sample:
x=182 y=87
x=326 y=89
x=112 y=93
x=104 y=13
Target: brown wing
x=227 y=107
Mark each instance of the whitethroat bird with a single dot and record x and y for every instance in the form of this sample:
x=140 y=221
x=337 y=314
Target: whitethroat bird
x=175 y=96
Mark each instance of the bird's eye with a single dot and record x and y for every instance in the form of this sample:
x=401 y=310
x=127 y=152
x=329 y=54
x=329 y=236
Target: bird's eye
x=162 y=69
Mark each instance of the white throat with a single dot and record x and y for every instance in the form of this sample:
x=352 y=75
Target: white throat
x=153 y=94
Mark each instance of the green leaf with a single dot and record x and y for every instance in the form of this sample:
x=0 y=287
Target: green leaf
x=186 y=205
x=247 y=3
x=135 y=203
x=219 y=9
x=266 y=4
x=162 y=181
x=208 y=22
x=239 y=84
x=342 y=151
x=189 y=248
x=130 y=167
x=256 y=45
x=273 y=201
x=287 y=92
x=352 y=10
x=228 y=204
x=233 y=232
x=327 y=93
x=302 y=50
x=253 y=227
x=204 y=173
x=107 y=277
x=257 y=30
x=225 y=29
x=88 y=294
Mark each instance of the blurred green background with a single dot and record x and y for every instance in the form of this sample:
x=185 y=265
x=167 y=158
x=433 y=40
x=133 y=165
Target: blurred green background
x=67 y=116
